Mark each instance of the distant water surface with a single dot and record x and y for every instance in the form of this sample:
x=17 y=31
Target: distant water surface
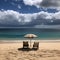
x=18 y=33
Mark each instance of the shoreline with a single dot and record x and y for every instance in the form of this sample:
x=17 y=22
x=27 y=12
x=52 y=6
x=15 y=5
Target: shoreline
x=40 y=41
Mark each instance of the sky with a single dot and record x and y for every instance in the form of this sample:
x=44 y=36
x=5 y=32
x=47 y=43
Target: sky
x=30 y=13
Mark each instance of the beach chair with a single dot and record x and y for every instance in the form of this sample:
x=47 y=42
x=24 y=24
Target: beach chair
x=36 y=45
x=25 y=44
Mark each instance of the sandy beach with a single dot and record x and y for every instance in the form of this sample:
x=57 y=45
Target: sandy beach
x=48 y=50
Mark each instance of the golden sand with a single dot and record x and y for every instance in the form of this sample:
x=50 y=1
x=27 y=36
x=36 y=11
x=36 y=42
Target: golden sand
x=47 y=51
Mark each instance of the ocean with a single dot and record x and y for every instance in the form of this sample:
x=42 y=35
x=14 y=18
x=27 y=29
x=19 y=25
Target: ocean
x=18 y=33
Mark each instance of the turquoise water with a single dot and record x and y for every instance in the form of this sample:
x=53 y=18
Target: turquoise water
x=20 y=32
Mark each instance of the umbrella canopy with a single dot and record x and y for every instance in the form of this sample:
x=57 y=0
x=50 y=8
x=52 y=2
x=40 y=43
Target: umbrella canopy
x=30 y=36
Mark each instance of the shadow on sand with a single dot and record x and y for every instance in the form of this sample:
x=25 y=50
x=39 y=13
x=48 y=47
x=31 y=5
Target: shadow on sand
x=27 y=49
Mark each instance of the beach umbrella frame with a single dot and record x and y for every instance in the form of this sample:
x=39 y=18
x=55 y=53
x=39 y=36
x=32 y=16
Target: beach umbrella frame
x=30 y=36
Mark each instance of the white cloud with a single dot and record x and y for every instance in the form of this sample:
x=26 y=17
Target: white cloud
x=56 y=15
x=16 y=5
x=32 y=2
x=13 y=3
x=17 y=0
x=44 y=3
x=19 y=7
x=13 y=17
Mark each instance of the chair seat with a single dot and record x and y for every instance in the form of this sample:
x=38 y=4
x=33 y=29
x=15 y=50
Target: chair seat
x=36 y=45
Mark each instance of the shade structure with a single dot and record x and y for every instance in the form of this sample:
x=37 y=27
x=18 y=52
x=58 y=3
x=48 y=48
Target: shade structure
x=30 y=36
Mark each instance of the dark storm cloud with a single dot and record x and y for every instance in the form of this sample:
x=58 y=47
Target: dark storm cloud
x=49 y=3
x=43 y=3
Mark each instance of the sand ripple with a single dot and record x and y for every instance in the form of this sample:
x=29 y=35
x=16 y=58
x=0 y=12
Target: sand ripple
x=15 y=54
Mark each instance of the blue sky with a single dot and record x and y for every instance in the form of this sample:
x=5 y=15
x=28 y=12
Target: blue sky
x=29 y=13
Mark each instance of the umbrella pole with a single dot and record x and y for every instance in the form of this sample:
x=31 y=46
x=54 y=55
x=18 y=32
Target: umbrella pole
x=30 y=42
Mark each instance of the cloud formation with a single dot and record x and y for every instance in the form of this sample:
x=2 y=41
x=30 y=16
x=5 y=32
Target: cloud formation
x=43 y=3
x=10 y=17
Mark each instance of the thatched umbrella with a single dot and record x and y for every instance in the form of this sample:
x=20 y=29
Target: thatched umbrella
x=30 y=36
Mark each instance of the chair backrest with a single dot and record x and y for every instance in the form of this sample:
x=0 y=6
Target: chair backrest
x=36 y=44
x=25 y=42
